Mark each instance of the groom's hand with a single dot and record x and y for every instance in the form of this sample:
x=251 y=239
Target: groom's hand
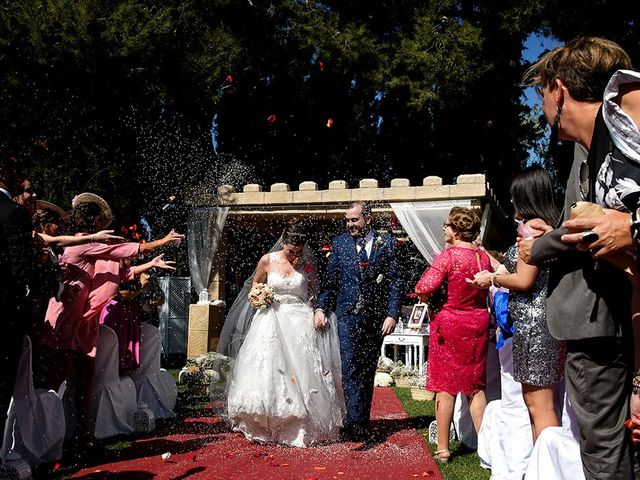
x=388 y=326
x=319 y=320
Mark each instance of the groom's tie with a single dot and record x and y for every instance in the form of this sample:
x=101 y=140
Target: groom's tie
x=363 y=257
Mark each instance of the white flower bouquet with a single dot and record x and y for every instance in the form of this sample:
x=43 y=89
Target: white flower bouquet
x=261 y=296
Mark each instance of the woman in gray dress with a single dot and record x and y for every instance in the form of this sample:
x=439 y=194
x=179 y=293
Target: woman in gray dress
x=538 y=358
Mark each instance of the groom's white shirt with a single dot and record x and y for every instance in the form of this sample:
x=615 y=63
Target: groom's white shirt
x=368 y=245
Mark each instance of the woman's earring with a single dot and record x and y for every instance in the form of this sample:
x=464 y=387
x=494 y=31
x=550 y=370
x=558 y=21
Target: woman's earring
x=556 y=119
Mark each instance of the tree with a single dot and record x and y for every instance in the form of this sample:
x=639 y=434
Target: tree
x=141 y=99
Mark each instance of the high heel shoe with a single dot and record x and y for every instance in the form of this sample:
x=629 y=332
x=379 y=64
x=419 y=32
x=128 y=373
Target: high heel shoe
x=442 y=456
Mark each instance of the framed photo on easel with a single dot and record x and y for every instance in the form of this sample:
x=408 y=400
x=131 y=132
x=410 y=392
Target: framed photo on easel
x=418 y=315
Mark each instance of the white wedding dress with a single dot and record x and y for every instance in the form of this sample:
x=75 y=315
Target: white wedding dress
x=285 y=384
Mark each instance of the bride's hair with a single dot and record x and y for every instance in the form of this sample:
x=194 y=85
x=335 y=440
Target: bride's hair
x=293 y=235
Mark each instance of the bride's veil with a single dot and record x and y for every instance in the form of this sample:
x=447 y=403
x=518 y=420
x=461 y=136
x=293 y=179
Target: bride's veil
x=238 y=319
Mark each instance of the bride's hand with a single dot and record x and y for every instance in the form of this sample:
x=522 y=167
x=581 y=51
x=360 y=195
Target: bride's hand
x=319 y=320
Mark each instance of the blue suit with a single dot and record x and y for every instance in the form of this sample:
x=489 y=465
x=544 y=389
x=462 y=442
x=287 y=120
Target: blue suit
x=362 y=297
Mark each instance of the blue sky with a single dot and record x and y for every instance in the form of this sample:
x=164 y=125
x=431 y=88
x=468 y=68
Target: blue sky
x=533 y=47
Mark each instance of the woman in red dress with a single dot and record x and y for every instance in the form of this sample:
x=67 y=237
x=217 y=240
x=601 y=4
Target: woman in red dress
x=459 y=334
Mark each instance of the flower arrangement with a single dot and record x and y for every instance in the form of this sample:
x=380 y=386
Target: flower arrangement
x=261 y=296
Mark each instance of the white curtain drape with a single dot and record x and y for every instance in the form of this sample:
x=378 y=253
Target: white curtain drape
x=203 y=234
x=423 y=223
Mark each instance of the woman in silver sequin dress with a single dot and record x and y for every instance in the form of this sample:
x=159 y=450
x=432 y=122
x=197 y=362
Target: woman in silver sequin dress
x=538 y=358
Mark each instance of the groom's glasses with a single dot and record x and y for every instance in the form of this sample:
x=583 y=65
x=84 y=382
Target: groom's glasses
x=445 y=225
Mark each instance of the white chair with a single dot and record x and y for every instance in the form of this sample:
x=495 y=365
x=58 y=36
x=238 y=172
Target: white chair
x=114 y=397
x=35 y=426
x=154 y=385
x=557 y=452
x=505 y=438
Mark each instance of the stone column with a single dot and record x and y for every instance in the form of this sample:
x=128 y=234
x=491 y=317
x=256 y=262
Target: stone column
x=205 y=321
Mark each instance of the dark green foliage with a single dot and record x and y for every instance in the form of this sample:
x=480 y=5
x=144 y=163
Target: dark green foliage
x=118 y=96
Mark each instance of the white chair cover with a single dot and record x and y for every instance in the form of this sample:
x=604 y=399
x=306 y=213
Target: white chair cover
x=505 y=439
x=114 y=397
x=462 y=421
x=557 y=452
x=35 y=425
x=154 y=385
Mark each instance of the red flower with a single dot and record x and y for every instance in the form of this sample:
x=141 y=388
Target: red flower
x=229 y=78
x=321 y=65
x=272 y=118
x=326 y=248
x=363 y=264
x=308 y=268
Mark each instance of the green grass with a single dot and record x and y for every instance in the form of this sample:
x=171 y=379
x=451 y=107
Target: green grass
x=464 y=463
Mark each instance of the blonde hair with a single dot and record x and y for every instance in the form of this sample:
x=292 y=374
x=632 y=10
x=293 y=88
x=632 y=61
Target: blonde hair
x=585 y=65
x=465 y=222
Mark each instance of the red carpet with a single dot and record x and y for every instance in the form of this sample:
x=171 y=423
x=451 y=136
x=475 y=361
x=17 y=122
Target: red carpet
x=204 y=448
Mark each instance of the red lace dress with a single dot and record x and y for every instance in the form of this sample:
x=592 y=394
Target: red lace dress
x=459 y=337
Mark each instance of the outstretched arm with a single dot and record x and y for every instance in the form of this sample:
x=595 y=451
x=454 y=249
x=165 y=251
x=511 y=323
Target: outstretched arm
x=520 y=281
x=172 y=238
x=158 y=262
x=103 y=236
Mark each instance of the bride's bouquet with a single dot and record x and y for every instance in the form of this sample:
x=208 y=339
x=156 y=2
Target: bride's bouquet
x=261 y=296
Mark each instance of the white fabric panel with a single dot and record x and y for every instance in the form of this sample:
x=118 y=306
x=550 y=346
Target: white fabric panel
x=203 y=234
x=35 y=426
x=423 y=223
x=505 y=439
x=154 y=385
x=114 y=397
x=557 y=452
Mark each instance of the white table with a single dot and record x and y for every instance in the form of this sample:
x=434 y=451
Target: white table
x=416 y=347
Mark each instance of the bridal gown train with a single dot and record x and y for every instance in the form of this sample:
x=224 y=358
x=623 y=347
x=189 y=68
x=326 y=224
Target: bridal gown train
x=285 y=384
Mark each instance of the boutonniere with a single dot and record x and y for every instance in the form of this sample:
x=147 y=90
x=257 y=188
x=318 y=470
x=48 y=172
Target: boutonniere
x=378 y=242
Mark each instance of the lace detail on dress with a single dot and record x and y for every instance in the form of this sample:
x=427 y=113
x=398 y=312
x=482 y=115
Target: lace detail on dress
x=287 y=286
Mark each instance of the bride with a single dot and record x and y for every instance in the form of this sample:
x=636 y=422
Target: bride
x=284 y=386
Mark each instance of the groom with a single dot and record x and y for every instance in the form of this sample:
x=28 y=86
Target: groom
x=362 y=286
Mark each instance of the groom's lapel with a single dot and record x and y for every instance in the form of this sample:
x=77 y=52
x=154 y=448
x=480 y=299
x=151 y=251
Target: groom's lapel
x=375 y=249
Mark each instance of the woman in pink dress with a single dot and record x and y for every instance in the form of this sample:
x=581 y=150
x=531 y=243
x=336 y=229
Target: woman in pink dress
x=70 y=330
x=459 y=334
